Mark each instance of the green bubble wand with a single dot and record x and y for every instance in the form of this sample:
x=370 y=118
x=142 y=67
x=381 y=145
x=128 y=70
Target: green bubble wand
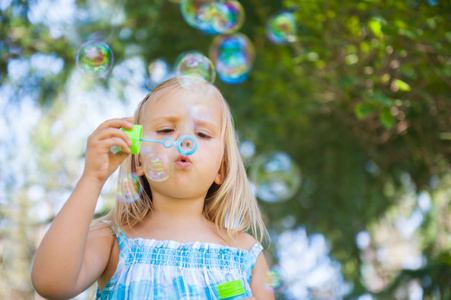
x=135 y=135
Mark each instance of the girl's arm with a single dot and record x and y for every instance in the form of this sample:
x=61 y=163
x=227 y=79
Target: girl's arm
x=259 y=274
x=72 y=257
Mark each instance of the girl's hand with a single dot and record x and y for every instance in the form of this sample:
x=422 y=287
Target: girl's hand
x=100 y=162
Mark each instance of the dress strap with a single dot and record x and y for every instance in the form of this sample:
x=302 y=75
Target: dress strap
x=251 y=259
x=121 y=237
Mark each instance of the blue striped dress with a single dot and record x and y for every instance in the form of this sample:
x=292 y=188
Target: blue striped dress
x=153 y=269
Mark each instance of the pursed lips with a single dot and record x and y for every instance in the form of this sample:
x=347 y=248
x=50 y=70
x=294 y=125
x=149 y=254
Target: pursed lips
x=183 y=161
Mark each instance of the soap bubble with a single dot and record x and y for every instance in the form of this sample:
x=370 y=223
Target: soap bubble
x=128 y=188
x=213 y=17
x=155 y=159
x=95 y=59
x=195 y=64
x=157 y=166
x=273 y=280
x=281 y=28
x=233 y=56
x=276 y=176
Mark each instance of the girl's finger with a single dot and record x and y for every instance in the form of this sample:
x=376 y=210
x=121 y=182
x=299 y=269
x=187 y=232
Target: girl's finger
x=117 y=123
x=110 y=142
x=113 y=132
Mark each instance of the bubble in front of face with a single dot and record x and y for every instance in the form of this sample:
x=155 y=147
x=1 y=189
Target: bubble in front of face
x=128 y=189
x=281 y=28
x=276 y=176
x=95 y=59
x=194 y=64
x=273 y=280
x=233 y=56
x=157 y=166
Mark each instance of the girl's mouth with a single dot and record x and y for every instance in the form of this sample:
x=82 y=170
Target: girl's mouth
x=183 y=161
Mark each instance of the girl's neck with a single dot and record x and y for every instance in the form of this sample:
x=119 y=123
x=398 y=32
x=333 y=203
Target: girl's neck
x=179 y=220
x=185 y=212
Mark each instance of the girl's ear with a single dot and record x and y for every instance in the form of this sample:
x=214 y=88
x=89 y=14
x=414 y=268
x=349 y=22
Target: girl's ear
x=221 y=173
x=139 y=168
x=218 y=179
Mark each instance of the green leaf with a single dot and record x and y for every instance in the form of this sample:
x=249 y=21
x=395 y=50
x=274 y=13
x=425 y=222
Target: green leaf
x=387 y=118
x=375 y=26
x=403 y=86
x=382 y=99
x=362 y=110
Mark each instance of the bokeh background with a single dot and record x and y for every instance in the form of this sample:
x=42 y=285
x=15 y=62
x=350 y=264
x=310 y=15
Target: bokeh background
x=346 y=125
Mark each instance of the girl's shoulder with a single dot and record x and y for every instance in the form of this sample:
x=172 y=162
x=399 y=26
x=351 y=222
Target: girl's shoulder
x=243 y=240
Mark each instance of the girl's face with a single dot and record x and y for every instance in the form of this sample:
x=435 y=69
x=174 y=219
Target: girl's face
x=186 y=112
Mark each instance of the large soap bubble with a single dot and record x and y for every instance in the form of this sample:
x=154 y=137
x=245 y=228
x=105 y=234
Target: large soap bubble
x=95 y=59
x=212 y=16
x=276 y=176
x=281 y=28
x=156 y=161
x=195 y=64
x=233 y=56
x=129 y=188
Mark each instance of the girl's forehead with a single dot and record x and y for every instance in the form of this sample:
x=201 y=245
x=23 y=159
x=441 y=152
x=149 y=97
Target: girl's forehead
x=200 y=105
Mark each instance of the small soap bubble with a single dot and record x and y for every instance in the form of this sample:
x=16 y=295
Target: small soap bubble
x=233 y=56
x=281 y=28
x=195 y=64
x=213 y=17
x=128 y=188
x=273 y=281
x=276 y=177
x=95 y=59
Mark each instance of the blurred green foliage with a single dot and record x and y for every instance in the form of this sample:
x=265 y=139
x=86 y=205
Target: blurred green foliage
x=360 y=98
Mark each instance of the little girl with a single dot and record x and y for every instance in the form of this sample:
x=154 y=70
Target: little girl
x=182 y=237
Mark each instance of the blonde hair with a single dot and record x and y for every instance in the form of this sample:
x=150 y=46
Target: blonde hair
x=230 y=205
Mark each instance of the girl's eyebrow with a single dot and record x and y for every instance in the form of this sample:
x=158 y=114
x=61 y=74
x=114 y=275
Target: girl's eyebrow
x=206 y=123
x=171 y=118
x=197 y=122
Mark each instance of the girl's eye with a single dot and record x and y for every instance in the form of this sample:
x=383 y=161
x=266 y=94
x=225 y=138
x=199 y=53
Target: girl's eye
x=203 y=135
x=165 y=131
